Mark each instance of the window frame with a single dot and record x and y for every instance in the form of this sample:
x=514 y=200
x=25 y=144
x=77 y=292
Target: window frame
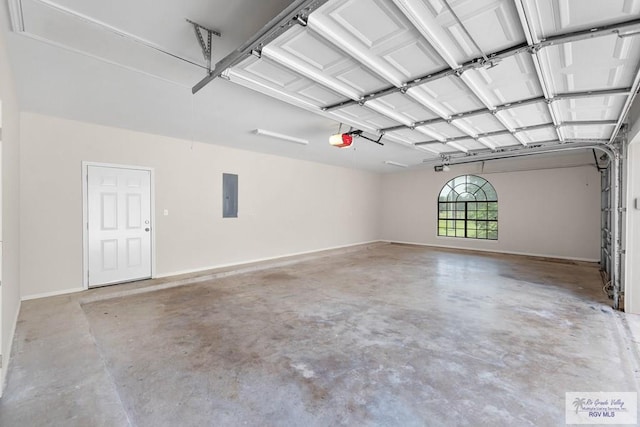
x=468 y=218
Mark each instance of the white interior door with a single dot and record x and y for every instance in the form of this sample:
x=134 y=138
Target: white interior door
x=119 y=224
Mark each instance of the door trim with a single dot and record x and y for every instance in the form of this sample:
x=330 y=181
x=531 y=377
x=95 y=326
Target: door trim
x=85 y=222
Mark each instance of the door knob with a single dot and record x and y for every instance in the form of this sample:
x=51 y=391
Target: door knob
x=146 y=229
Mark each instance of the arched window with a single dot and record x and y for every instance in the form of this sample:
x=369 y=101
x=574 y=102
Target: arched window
x=468 y=207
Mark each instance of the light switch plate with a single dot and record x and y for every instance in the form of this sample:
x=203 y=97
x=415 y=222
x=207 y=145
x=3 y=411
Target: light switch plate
x=166 y=212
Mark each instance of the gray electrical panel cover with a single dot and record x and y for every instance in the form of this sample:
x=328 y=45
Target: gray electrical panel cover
x=229 y=195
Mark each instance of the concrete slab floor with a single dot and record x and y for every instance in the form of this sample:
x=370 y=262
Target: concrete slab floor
x=388 y=335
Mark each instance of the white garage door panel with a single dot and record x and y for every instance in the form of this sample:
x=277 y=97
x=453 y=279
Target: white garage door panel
x=439 y=148
x=596 y=108
x=408 y=135
x=378 y=35
x=492 y=24
x=512 y=80
x=315 y=58
x=354 y=48
x=527 y=115
x=611 y=62
x=405 y=105
x=471 y=144
x=449 y=93
x=506 y=140
x=365 y=115
x=538 y=135
x=281 y=79
x=445 y=130
x=551 y=17
x=481 y=123
x=588 y=131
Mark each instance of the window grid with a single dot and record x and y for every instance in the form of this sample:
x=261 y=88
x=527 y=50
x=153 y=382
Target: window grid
x=468 y=208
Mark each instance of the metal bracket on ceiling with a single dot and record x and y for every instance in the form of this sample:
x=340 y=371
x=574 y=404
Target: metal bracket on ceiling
x=205 y=40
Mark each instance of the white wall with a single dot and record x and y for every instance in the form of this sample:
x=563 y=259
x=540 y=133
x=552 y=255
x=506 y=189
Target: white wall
x=10 y=178
x=286 y=206
x=550 y=212
x=632 y=237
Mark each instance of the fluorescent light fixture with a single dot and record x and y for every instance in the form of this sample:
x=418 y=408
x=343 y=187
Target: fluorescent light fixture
x=280 y=136
x=392 y=163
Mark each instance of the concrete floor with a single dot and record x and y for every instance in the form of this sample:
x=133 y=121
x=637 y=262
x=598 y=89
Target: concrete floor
x=387 y=335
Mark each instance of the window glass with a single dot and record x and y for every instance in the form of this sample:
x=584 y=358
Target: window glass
x=468 y=208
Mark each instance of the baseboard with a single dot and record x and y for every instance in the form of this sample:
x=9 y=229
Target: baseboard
x=52 y=294
x=7 y=352
x=536 y=255
x=275 y=258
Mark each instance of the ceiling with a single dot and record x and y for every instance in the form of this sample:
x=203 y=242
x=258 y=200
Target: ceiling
x=429 y=78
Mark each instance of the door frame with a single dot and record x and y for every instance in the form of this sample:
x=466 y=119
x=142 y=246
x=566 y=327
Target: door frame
x=85 y=216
